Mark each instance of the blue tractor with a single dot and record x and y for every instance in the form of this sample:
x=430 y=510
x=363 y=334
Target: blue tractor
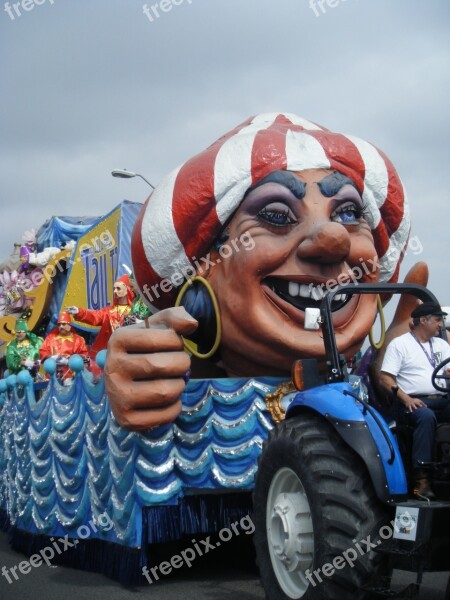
x=333 y=508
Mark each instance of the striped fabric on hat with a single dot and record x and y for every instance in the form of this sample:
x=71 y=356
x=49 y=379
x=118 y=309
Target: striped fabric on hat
x=184 y=214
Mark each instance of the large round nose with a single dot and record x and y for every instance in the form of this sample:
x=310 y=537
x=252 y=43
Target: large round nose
x=325 y=242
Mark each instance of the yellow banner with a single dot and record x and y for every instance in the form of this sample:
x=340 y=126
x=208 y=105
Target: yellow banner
x=94 y=268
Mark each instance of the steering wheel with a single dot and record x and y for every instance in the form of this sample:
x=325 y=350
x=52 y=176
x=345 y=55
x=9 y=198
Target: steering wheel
x=435 y=376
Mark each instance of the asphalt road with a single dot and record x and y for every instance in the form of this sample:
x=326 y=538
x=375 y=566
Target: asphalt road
x=228 y=577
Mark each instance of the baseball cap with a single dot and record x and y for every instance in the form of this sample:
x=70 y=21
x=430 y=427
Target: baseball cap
x=428 y=308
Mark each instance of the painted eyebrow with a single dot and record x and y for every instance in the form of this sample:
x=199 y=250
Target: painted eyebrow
x=331 y=184
x=286 y=179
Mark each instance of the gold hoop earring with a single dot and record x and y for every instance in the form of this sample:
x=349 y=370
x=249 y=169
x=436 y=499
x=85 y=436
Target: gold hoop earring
x=379 y=344
x=189 y=345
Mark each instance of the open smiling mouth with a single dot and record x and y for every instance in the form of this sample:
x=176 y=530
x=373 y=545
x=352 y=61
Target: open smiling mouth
x=302 y=295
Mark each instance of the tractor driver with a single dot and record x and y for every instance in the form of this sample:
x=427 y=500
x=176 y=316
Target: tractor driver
x=408 y=365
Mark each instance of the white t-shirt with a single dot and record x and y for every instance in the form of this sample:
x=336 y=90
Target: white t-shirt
x=406 y=360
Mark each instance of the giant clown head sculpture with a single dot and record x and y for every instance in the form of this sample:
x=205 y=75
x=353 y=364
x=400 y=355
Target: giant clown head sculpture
x=271 y=215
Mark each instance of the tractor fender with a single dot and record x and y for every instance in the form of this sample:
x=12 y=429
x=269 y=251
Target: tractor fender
x=363 y=429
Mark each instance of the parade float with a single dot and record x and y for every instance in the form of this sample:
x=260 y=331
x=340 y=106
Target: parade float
x=260 y=242
x=67 y=467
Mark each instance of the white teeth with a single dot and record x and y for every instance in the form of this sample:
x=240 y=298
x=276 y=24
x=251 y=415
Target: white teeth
x=310 y=291
x=305 y=291
x=293 y=288
x=317 y=293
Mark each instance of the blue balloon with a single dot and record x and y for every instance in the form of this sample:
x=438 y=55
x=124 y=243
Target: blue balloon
x=100 y=359
x=76 y=363
x=3 y=386
x=24 y=377
x=50 y=366
x=11 y=381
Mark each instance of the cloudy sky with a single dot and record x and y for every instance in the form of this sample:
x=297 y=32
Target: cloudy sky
x=92 y=85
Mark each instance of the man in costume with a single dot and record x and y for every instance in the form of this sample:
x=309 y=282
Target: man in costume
x=108 y=318
x=23 y=351
x=62 y=343
x=262 y=222
x=408 y=364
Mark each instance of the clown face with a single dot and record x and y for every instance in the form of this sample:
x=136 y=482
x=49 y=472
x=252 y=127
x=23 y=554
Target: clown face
x=307 y=225
x=21 y=335
x=64 y=329
x=309 y=233
x=120 y=290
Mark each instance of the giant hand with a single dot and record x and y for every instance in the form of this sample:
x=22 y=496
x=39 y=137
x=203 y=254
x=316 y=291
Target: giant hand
x=145 y=369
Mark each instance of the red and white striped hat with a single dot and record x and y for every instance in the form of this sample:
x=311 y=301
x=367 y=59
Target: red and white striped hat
x=184 y=214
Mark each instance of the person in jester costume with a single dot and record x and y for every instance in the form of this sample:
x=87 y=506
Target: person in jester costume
x=23 y=351
x=62 y=343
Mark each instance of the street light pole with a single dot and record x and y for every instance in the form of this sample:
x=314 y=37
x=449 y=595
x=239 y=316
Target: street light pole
x=125 y=174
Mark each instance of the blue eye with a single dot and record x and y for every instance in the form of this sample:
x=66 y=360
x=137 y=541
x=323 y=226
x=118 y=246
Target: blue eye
x=278 y=217
x=347 y=214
